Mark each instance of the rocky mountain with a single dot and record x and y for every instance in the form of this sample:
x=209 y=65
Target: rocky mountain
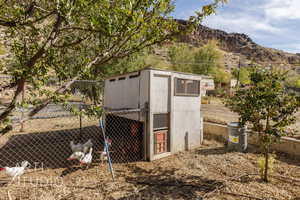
x=237 y=43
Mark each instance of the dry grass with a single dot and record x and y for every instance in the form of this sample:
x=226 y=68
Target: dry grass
x=210 y=171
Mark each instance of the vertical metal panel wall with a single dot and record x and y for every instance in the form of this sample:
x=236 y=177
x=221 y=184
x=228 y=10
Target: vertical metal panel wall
x=156 y=88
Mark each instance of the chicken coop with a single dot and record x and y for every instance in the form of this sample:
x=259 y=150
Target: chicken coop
x=157 y=112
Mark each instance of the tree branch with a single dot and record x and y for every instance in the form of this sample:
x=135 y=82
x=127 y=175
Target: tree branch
x=8 y=23
x=13 y=103
x=17 y=23
x=62 y=89
x=70 y=44
x=20 y=83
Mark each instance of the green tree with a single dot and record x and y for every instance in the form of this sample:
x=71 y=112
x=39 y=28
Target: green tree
x=182 y=57
x=298 y=83
x=243 y=74
x=266 y=107
x=220 y=75
x=293 y=79
x=209 y=60
x=68 y=39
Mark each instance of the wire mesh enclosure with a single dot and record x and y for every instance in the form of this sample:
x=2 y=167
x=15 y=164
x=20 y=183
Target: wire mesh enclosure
x=45 y=139
x=127 y=137
x=50 y=142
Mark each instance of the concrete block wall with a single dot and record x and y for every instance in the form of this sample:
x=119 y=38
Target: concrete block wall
x=220 y=132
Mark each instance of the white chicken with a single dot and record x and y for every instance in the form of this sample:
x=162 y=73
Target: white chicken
x=15 y=172
x=87 y=159
x=81 y=147
x=76 y=156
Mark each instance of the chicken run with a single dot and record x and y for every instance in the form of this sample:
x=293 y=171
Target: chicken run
x=81 y=152
x=56 y=159
x=67 y=147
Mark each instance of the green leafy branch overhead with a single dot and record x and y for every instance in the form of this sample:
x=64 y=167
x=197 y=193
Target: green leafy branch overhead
x=69 y=39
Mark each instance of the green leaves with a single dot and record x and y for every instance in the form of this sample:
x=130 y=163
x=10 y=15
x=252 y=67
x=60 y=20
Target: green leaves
x=207 y=60
x=267 y=108
x=69 y=39
x=265 y=104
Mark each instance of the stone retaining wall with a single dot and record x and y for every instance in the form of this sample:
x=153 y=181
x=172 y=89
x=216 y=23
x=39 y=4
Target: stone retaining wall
x=220 y=132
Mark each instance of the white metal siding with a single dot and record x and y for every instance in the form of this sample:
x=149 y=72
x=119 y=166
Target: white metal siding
x=160 y=91
x=122 y=94
x=187 y=122
x=157 y=88
x=144 y=88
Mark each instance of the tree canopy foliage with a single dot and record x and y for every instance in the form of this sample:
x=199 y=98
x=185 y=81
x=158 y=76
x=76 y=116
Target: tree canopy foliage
x=69 y=39
x=206 y=60
x=182 y=57
x=243 y=74
x=293 y=79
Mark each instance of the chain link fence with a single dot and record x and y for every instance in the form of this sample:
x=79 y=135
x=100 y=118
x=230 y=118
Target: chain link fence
x=45 y=139
x=126 y=134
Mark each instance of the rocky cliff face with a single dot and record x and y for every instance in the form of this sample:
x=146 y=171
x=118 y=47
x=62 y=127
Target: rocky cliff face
x=242 y=44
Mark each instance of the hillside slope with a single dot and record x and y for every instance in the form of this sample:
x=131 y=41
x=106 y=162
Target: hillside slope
x=240 y=43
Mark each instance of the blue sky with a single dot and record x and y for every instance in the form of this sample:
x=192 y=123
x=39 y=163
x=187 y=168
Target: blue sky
x=271 y=23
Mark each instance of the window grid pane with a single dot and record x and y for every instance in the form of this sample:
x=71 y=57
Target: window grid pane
x=192 y=87
x=180 y=86
x=187 y=87
x=160 y=121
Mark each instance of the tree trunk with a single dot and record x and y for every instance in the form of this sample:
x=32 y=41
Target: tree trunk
x=12 y=105
x=266 y=165
x=267 y=148
x=62 y=89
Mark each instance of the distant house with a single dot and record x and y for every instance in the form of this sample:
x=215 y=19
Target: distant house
x=207 y=84
x=208 y=87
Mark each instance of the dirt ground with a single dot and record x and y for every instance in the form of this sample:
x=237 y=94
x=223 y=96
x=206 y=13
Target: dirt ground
x=209 y=172
x=217 y=112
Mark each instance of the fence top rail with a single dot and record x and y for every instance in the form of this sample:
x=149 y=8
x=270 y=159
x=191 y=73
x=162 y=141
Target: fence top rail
x=120 y=111
x=5 y=77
